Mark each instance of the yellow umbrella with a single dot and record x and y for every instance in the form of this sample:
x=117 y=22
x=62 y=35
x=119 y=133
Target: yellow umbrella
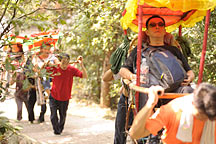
x=175 y=12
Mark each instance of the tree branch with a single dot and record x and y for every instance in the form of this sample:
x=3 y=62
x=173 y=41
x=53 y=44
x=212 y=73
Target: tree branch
x=5 y=10
x=29 y=13
x=53 y=9
x=8 y=26
x=41 y=9
x=208 y=64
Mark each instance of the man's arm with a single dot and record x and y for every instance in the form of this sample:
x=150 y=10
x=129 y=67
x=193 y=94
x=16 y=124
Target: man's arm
x=80 y=61
x=108 y=76
x=84 y=71
x=138 y=129
x=125 y=73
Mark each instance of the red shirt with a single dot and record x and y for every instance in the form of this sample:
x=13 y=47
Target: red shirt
x=62 y=84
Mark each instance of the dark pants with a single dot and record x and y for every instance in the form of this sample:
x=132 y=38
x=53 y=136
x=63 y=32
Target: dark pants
x=184 y=89
x=61 y=106
x=42 y=113
x=120 y=121
x=31 y=104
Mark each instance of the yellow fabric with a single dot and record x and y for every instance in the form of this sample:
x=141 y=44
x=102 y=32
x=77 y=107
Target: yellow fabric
x=184 y=5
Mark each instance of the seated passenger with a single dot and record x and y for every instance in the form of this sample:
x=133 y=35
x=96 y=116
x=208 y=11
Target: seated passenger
x=156 y=32
x=120 y=136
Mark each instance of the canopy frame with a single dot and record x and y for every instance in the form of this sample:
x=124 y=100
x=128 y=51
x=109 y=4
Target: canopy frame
x=139 y=46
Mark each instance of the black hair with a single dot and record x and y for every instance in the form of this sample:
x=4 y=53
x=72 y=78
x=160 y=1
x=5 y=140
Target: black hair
x=63 y=55
x=45 y=44
x=154 y=16
x=205 y=99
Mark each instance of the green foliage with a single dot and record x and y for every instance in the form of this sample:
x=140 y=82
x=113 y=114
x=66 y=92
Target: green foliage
x=94 y=32
x=185 y=46
x=6 y=128
x=91 y=28
x=115 y=89
x=195 y=36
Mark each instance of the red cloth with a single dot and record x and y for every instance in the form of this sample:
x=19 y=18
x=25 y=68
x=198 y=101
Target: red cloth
x=62 y=84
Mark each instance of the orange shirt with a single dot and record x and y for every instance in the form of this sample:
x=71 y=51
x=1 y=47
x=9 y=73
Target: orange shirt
x=168 y=116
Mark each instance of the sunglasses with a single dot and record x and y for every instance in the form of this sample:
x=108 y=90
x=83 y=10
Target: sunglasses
x=160 y=24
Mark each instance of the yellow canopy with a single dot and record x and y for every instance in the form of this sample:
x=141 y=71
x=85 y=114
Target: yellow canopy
x=183 y=12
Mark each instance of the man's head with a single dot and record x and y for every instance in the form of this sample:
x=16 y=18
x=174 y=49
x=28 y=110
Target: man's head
x=205 y=100
x=16 y=47
x=155 y=27
x=152 y=17
x=45 y=48
x=16 y=50
x=64 y=58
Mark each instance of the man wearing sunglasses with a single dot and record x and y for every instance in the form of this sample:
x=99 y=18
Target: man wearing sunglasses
x=156 y=31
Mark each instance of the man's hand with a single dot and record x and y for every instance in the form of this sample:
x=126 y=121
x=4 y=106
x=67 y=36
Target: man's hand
x=189 y=79
x=133 y=78
x=80 y=59
x=154 y=92
x=186 y=82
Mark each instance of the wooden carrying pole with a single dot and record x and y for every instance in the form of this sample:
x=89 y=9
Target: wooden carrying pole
x=202 y=60
x=146 y=91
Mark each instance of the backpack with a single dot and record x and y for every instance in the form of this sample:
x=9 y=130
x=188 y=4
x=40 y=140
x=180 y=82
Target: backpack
x=164 y=68
x=119 y=55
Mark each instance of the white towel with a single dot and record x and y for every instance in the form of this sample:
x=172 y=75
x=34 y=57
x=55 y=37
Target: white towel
x=208 y=134
x=185 y=128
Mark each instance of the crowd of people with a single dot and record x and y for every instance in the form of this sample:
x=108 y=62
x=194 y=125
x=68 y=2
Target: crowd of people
x=54 y=84
x=193 y=122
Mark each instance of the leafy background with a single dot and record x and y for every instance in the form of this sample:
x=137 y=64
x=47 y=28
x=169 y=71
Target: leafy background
x=91 y=28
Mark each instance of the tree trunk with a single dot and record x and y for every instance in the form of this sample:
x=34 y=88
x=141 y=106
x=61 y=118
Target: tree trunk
x=105 y=86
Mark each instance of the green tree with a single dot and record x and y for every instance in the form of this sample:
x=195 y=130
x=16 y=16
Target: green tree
x=90 y=28
x=95 y=33
x=195 y=36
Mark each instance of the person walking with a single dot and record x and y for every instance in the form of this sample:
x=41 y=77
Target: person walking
x=62 y=82
x=39 y=62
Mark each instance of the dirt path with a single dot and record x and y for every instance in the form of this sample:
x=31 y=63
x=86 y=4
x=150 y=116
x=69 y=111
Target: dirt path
x=84 y=124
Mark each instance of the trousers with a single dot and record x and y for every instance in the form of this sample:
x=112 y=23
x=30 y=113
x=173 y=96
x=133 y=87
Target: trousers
x=31 y=103
x=120 y=121
x=61 y=107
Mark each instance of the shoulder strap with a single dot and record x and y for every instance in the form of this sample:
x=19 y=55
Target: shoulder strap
x=152 y=49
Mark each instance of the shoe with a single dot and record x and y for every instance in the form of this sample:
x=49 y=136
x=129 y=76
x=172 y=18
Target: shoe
x=31 y=122
x=40 y=121
x=19 y=119
x=57 y=133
